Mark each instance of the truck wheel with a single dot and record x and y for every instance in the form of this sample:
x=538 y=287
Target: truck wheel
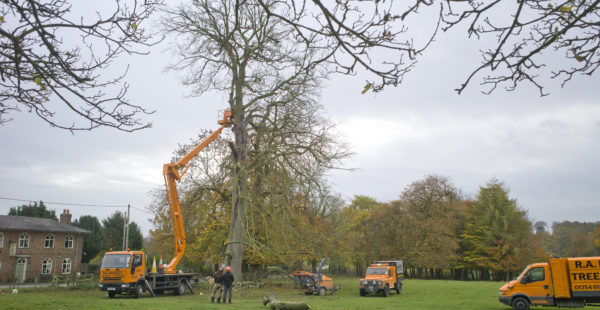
x=322 y=291
x=180 y=289
x=139 y=290
x=386 y=291
x=111 y=294
x=362 y=293
x=520 y=303
x=398 y=287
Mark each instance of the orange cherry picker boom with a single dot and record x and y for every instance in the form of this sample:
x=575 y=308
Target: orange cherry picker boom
x=126 y=272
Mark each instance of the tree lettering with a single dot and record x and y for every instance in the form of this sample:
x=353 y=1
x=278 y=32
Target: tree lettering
x=586 y=276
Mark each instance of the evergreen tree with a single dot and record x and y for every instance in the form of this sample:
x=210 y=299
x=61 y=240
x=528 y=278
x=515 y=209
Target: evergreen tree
x=92 y=242
x=112 y=233
x=497 y=233
x=34 y=210
x=136 y=238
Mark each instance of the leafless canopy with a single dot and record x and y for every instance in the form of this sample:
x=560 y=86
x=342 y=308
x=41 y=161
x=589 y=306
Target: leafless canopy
x=53 y=60
x=533 y=28
x=527 y=32
x=353 y=33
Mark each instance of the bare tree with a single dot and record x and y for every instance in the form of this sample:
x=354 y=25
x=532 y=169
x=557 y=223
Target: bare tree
x=351 y=33
x=526 y=33
x=54 y=60
x=238 y=47
x=293 y=147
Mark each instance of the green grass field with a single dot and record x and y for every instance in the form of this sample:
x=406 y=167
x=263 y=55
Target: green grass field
x=417 y=294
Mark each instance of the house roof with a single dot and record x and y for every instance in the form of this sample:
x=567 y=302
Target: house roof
x=24 y=223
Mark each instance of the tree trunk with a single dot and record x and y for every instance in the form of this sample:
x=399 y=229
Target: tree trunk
x=240 y=177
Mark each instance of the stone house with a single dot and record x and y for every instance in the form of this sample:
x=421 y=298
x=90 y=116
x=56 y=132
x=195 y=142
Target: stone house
x=36 y=249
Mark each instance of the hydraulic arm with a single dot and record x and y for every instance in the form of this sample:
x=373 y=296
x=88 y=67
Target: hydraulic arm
x=172 y=175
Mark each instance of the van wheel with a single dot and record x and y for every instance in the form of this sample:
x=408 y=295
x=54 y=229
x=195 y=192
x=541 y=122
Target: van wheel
x=322 y=291
x=386 y=291
x=520 y=303
x=362 y=293
x=398 y=287
x=139 y=290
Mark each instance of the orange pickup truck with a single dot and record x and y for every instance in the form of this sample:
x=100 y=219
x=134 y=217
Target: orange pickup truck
x=560 y=282
x=381 y=276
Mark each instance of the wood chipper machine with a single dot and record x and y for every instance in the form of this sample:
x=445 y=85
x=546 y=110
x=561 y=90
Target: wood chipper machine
x=314 y=283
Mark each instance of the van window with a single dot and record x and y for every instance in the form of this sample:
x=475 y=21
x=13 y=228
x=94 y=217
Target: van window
x=116 y=261
x=536 y=274
x=376 y=270
x=137 y=260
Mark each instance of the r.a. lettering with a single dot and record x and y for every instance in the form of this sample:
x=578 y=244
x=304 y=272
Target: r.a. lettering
x=588 y=264
x=586 y=276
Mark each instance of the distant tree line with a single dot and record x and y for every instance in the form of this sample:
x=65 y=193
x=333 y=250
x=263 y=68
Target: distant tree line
x=439 y=233
x=103 y=235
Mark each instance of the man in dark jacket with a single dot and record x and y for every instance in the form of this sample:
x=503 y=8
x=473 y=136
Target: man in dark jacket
x=227 y=283
x=217 y=286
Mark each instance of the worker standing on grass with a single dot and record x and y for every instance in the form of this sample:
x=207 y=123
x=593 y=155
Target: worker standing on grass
x=217 y=286
x=228 y=283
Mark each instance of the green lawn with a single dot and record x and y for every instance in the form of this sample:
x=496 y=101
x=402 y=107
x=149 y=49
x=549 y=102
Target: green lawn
x=417 y=294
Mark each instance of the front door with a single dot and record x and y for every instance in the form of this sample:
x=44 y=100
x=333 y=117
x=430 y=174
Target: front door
x=538 y=285
x=21 y=270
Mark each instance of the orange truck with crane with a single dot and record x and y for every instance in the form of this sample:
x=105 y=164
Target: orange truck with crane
x=572 y=282
x=126 y=272
x=381 y=277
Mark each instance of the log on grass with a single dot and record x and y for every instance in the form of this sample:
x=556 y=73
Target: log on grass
x=275 y=304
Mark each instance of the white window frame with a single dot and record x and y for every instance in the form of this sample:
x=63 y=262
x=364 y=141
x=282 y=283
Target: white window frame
x=24 y=241
x=47 y=266
x=69 y=242
x=66 y=266
x=49 y=241
x=1 y=240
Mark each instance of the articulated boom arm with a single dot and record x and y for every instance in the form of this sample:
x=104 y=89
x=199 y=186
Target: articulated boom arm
x=172 y=175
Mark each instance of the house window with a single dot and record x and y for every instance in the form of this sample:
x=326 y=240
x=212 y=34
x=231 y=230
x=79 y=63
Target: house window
x=69 y=242
x=47 y=266
x=49 y=242
x=24 y=241
x=66 y=266
x=1 y=240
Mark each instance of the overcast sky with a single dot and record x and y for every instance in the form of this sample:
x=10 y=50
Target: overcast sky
x=545 y=149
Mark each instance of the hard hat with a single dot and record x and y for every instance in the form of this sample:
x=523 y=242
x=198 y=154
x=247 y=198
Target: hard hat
x=227 y=268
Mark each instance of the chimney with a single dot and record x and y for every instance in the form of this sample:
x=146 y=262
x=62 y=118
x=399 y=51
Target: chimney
x=65 y=217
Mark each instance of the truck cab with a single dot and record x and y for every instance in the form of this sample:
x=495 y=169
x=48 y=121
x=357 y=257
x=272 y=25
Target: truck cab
x=123 y=272
x=381 y=277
